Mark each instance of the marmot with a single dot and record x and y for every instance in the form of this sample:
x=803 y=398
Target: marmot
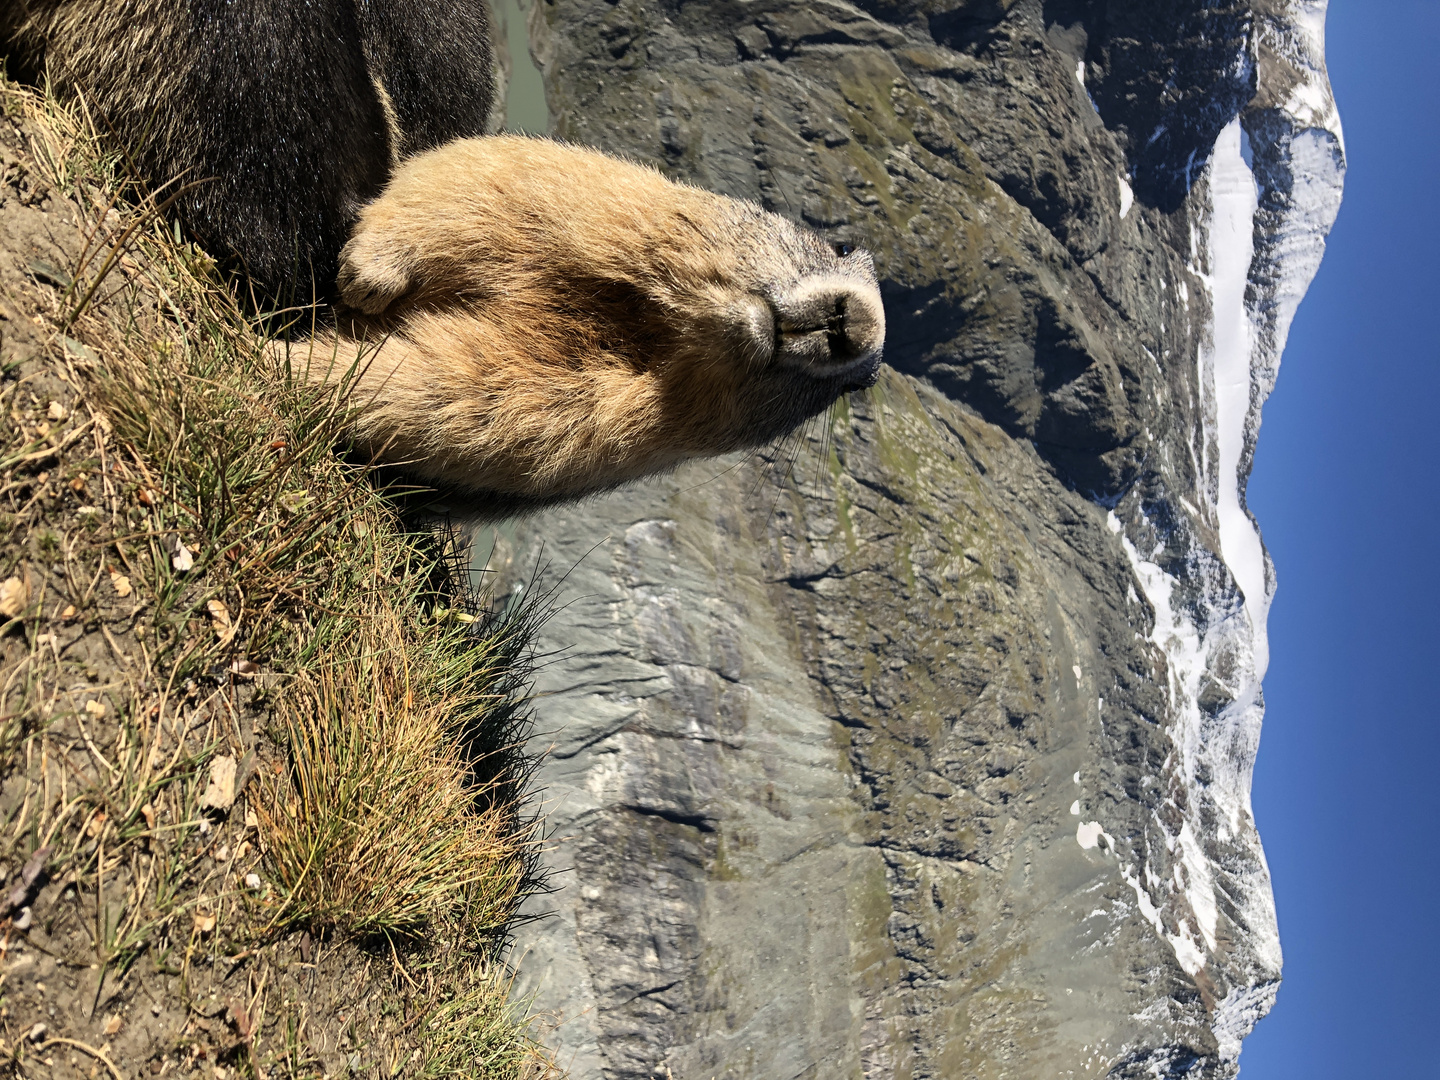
x=537 y=321
x=284 y=117
x=547 y=321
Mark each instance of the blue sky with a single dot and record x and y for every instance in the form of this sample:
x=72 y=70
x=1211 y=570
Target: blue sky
x=1347 y=491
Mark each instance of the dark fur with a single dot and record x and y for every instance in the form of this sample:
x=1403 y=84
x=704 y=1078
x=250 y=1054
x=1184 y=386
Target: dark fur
x=268 y=106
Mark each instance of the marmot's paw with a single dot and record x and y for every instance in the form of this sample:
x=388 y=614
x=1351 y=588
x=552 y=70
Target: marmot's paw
x=372 y=276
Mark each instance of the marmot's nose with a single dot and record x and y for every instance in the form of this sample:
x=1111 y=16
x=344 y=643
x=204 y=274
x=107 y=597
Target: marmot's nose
x=830 y=324
x=859 y=325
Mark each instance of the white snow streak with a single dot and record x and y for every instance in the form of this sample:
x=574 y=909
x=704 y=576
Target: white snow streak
x=1232 y=248
x=1187 y=659
x=1188 y=954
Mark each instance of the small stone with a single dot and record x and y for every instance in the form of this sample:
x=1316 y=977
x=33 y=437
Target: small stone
x=252 y=881
x=23 y=920
x=220 y=620
x=95 y=709
x=14 y=595
x=220 y=794
x=37 y=1033
x=29 y=874
x=56 y=411
x=121 y=584
x=112 y=1025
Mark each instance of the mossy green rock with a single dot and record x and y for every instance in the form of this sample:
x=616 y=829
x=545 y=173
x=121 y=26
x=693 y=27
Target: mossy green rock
x=881 y=753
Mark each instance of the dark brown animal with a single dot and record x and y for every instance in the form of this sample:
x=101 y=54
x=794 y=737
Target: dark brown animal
x=284 y=116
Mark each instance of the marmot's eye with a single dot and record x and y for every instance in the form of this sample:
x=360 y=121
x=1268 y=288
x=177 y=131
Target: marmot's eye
x=843 y=249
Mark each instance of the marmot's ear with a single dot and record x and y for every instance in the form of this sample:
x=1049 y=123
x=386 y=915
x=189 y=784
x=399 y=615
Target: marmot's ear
x=373 y=273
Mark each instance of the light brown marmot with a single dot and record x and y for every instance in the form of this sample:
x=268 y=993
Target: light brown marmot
x=539 y=321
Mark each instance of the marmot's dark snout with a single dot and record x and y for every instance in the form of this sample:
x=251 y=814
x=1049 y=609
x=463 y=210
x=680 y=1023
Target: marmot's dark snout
x=829 y=324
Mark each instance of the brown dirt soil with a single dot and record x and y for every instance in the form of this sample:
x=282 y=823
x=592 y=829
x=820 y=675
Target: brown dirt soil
x=150 y=924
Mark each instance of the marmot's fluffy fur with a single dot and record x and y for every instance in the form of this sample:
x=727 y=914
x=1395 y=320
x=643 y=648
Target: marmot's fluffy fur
x=536 y=321
x=285 y=115
x=547 y=321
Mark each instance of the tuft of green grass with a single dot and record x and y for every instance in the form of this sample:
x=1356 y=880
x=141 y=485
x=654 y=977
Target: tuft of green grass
x=377 y=826
x=467 y=1030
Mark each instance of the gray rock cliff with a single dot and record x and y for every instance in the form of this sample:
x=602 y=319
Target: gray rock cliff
x=920 y=745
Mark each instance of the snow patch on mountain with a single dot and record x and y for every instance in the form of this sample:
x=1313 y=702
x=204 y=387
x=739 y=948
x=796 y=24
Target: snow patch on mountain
x=1227 y=362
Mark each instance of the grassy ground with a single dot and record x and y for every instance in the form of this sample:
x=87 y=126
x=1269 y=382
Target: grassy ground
x=263 y=809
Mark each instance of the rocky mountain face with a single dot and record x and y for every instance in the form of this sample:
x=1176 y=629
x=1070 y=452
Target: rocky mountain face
x=920 y=744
